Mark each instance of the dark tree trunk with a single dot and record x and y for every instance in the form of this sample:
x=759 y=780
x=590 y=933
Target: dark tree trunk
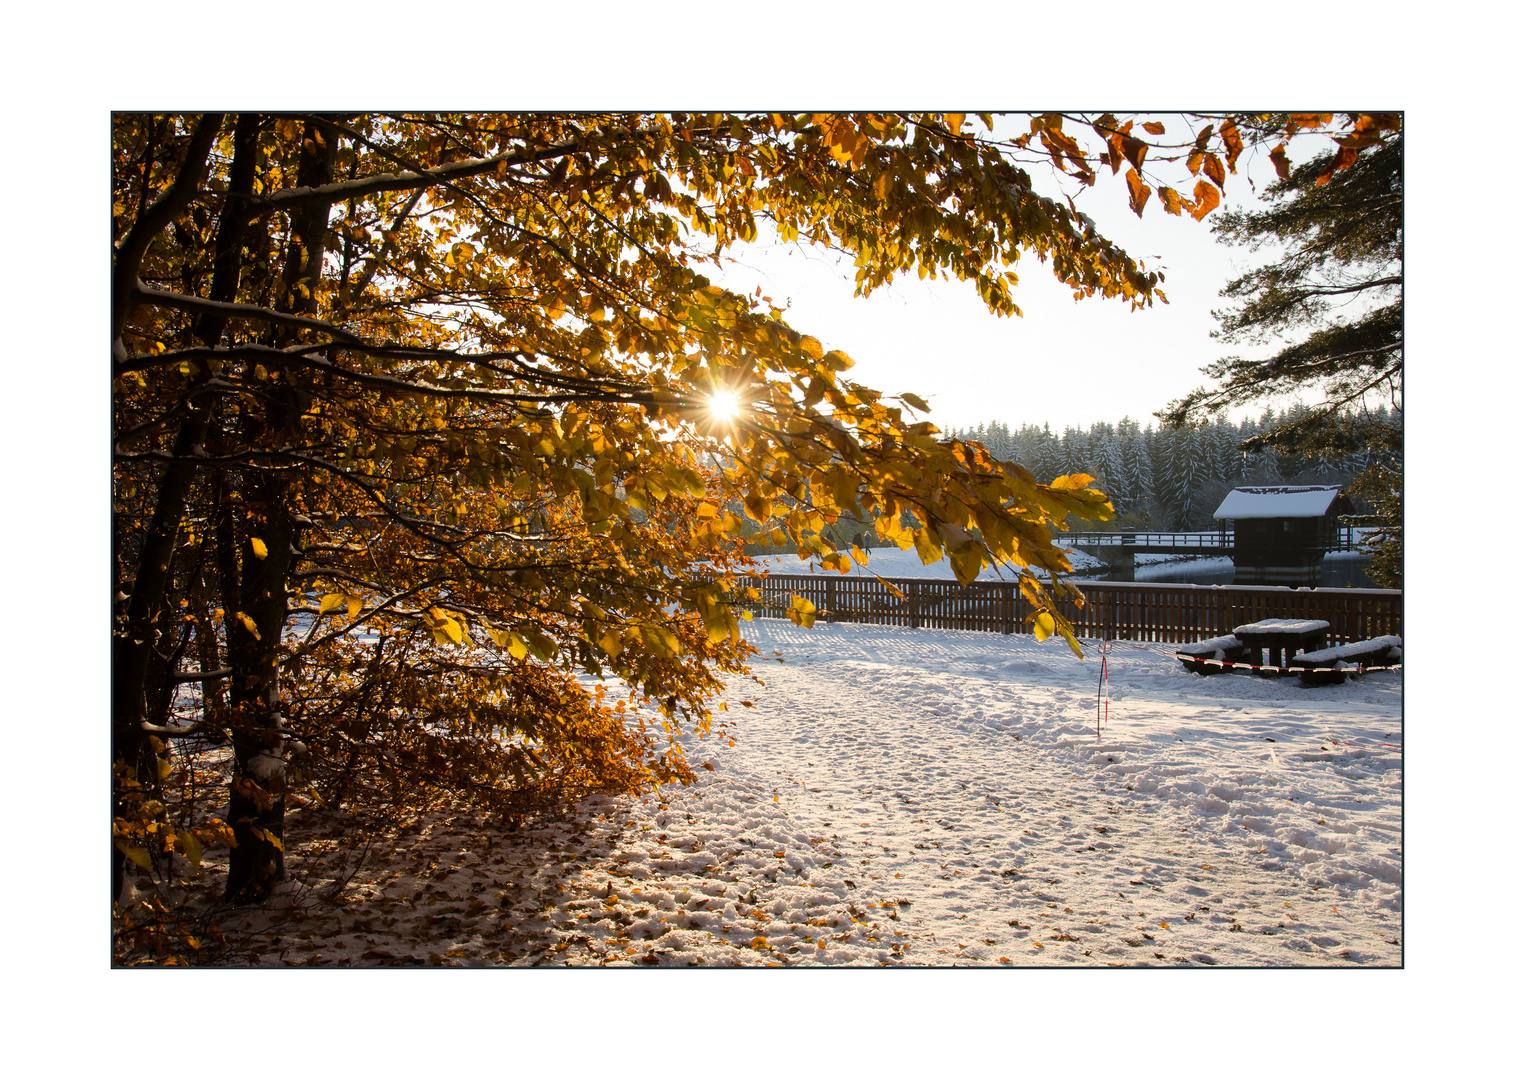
x=144 y=624
x=255 y=809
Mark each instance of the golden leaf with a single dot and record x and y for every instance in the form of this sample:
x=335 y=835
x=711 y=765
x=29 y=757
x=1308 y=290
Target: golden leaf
x=1280 y=161
x=1139 y=191
x=136 y=855
x=1214 y=171
x=1206 y=198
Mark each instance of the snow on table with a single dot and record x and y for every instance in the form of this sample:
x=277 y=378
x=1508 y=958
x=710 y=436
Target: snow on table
x=1283 y=626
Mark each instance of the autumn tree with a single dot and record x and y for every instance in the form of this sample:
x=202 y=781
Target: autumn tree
x=415 y=418
x=1332 y=311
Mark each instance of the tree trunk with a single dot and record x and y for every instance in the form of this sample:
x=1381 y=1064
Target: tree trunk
x=255 y=808
x=132 y=645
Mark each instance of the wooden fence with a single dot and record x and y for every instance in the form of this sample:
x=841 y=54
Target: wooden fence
x=1115 y=610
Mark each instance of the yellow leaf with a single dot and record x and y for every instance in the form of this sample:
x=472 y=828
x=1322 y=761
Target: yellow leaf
x=954 y=121
x=610 y=641
x=259 y=548
x=354 y=605
x=136 y=855
x=1044 y=626
x=915 y=402
x=189 y=843
x=859 y=556
x=801 y=612
x=812 y=347
x=332 y=601
x=252 y=627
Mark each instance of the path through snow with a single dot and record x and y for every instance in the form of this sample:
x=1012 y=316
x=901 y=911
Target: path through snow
x=919 y=797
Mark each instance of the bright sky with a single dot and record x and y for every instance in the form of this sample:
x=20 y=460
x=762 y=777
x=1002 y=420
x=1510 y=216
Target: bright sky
x=1065 y=362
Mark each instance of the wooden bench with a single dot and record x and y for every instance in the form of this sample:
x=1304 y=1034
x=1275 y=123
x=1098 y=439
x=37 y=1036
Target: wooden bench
x=1328 y=667
x=1228 y=647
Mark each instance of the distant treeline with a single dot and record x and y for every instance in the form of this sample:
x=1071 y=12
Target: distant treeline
x=1166 y=478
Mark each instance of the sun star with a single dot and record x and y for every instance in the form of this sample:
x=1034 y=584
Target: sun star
x=724 y=404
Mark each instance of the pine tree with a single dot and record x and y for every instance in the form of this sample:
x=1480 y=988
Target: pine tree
x=1340 y=218
x=1179 y=475
x=1105 y=461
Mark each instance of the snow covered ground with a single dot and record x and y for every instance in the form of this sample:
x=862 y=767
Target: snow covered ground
x=913 y=797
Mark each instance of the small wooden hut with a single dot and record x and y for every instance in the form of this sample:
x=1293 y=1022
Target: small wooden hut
x=1282 y=532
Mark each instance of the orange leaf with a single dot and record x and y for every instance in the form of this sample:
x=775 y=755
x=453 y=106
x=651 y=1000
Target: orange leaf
x=1280 y=161
x=1344 y=157
x=1139 y=191
x=1172 y=201
x=1135 y=151
x=1311 y=120
x=1196 y=159
x=1154 y=127
x=1232 y=141
x=1214 y=171
x=1206 y=198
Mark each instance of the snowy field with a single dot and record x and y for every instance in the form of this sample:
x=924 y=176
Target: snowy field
x=902 y=797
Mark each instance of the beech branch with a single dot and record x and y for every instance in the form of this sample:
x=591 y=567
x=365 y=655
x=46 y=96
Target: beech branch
x=403 y=180
x=133 y=246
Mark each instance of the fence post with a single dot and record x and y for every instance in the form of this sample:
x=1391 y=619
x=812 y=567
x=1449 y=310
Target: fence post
x=831 y=599
x=912 y=603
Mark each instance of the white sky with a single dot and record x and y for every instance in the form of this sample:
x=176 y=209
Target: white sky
x=1064 y=362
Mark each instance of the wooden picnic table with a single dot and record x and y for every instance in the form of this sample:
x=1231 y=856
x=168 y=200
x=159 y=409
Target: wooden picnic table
x=1282 y=636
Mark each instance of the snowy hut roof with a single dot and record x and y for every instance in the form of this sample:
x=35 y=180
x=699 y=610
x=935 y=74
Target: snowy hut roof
x=1278 y=502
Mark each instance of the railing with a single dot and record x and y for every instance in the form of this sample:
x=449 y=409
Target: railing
x=1124 y=610
x=1142 y=539
x=1343 y=541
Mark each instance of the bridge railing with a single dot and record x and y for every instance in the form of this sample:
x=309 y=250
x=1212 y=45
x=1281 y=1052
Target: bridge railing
x=1344 y=540
x=1124 y=610
x=1139 y=539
